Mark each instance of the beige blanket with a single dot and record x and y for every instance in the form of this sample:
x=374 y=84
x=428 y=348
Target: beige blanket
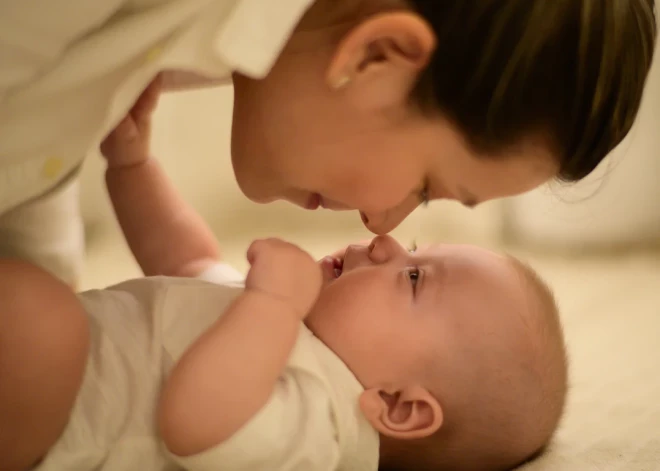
x=611 y=311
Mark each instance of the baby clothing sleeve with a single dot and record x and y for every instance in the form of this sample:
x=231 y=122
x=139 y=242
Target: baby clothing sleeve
x=221 y=274
x=294 y=431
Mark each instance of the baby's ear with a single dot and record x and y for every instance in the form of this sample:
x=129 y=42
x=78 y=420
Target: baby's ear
x=407 y=413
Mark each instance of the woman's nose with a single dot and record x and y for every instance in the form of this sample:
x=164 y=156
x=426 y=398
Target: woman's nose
x=383 y=222
x=382 y=249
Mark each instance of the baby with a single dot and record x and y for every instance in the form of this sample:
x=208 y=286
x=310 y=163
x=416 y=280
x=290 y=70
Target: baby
x=448 y=358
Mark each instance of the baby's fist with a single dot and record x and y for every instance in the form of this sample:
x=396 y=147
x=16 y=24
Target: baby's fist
x=129 y=143
x=285 y=272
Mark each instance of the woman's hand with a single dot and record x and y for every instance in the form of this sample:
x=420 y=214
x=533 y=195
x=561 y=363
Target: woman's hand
x=129 y=143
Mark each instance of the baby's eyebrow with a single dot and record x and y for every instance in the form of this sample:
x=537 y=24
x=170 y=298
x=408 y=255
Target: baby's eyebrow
x=439 y=273
x=431 y=288
x=418 y=248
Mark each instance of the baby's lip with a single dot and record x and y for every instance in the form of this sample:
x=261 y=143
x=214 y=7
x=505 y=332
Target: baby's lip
x=332 y=267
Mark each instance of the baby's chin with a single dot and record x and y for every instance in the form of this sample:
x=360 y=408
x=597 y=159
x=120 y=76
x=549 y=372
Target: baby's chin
x=311 y=322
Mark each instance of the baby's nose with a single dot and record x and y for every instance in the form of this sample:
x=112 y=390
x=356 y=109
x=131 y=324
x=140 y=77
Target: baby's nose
x=382 y=249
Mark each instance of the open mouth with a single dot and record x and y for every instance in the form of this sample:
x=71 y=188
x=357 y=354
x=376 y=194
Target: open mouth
x=333 y=267
x=338 y=266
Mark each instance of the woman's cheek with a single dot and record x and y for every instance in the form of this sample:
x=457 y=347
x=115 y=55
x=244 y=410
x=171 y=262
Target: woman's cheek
x=383 y=197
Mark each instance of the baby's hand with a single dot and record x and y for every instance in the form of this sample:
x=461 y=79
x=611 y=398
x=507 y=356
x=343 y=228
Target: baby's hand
x=129 y=143
x=285 y=272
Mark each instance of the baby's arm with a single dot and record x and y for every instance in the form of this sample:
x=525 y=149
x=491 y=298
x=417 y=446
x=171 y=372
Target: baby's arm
x=230 y=372
x=166 y=235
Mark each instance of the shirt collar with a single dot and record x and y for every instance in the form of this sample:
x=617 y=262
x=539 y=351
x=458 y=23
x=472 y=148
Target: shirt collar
x=255 y=33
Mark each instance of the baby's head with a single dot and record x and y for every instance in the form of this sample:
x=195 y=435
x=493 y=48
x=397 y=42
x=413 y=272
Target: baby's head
x=459 y=349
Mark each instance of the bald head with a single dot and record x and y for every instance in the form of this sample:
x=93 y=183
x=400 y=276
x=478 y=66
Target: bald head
x=503 y=395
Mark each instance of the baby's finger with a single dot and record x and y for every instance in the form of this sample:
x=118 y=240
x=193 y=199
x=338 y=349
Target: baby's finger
x=125 y=130
x=148 y=100
x=117 y=133
x=253 y=250
x=124 y=133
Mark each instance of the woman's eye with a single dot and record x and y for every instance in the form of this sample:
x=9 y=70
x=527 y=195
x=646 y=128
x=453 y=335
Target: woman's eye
x=424 y=195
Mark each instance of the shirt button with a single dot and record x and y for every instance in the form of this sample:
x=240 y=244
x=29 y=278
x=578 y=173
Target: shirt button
x=153 y=54
x=52 y=168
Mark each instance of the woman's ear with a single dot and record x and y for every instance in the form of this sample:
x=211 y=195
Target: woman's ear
x=385 y=52
x=408 y=413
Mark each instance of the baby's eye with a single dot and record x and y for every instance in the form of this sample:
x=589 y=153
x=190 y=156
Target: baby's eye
x=413 y=276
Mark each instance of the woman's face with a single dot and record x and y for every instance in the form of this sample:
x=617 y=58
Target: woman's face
x=363 y=146
x=382 y=168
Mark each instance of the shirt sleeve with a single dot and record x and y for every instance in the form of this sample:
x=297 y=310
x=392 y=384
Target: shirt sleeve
x=35 y=34
x=221 y=274
x=294 y=431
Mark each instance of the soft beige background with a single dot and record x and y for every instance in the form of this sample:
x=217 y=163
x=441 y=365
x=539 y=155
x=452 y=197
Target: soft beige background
x=591 y=242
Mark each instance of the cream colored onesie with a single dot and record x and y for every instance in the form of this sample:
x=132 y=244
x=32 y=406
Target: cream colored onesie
x=138 y=331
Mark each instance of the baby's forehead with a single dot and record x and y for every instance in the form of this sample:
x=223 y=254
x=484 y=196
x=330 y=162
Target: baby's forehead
x=471 y=278
x=465 y=257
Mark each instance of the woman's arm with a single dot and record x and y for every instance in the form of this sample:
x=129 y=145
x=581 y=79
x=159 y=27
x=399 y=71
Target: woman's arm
x=165 y=234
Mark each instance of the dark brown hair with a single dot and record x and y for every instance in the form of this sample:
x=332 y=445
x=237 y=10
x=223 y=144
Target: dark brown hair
x=571 y=71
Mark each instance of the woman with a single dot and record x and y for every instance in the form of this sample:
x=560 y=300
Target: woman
x=374 y=105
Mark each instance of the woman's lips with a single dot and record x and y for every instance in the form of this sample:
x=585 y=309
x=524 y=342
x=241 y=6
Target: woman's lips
x=314 y=201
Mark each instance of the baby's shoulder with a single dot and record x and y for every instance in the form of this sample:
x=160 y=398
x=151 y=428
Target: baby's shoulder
x=188 y=293
x=157 y=293
x=315 y=361
x=143 y=287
